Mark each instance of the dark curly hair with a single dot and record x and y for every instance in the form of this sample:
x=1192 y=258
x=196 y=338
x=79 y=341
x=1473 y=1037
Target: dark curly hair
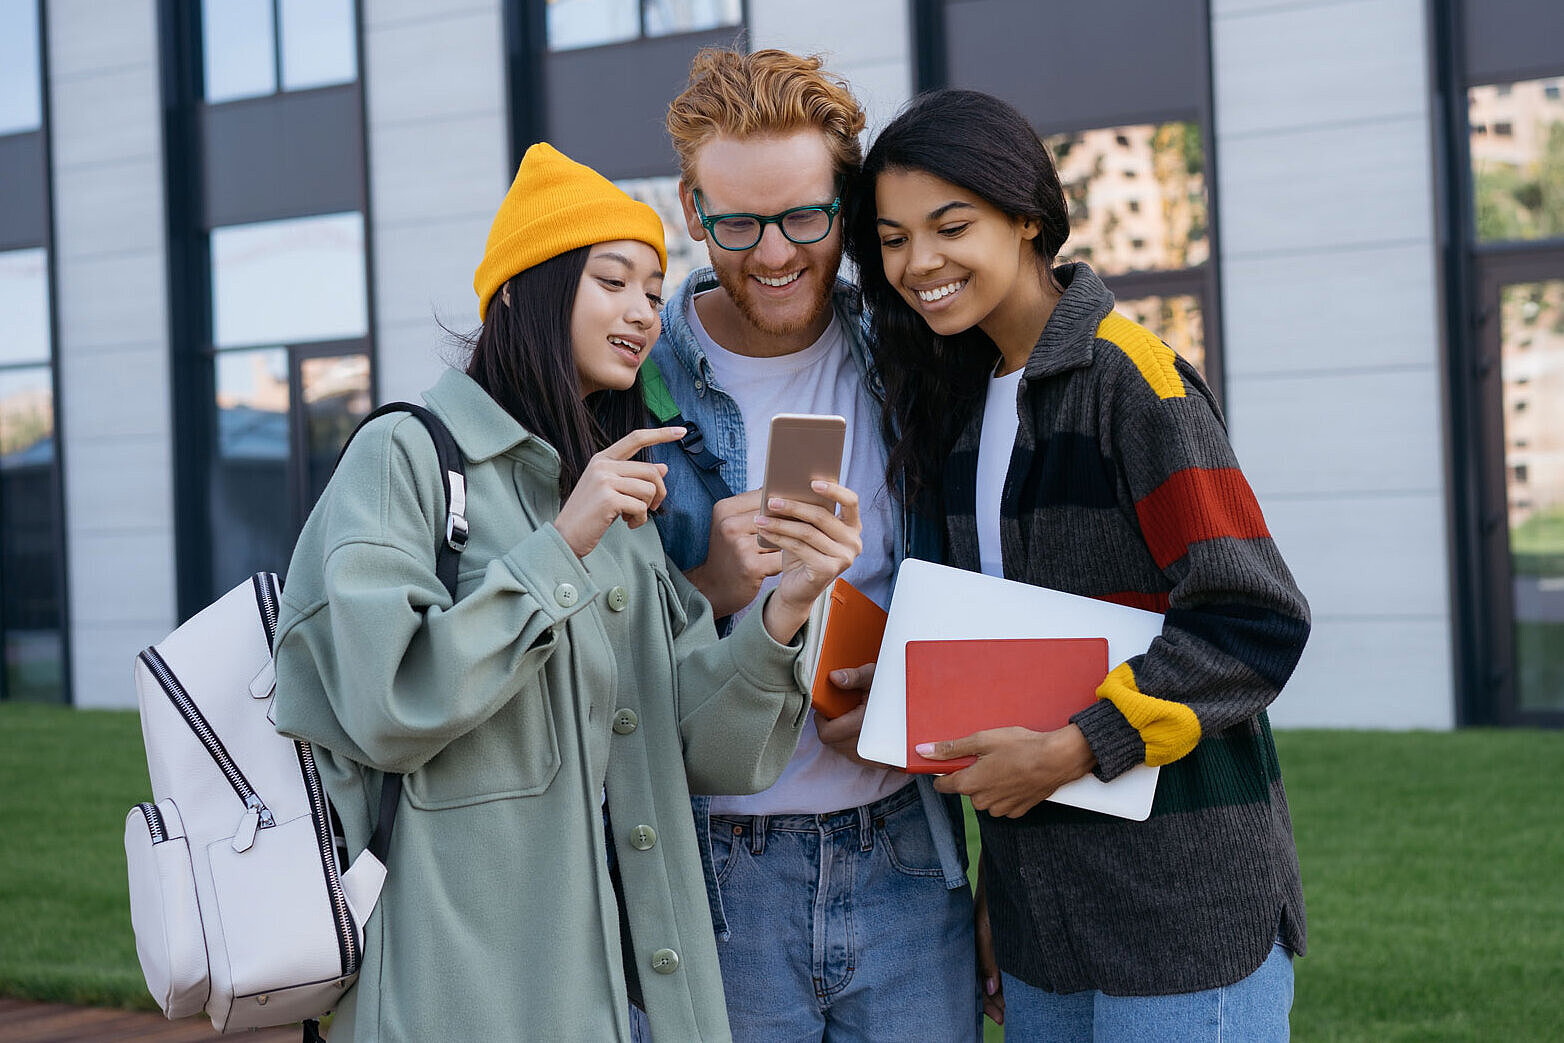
x=983 y=145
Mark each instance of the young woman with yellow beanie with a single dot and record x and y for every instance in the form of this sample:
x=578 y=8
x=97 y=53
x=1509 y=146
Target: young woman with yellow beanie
x=552 y=722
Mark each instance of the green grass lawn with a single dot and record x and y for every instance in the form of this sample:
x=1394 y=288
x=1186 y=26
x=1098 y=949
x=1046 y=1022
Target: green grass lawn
x=67 y=780
x=1431 y=865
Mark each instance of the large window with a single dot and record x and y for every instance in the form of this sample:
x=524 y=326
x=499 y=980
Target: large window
x=32 y=573
x=1516 y=153
x=290 y=381
x=31 y=609
x=252 y=48
x=270 y=273
x=1138 y=206
x=593 y=23
x=21 y=86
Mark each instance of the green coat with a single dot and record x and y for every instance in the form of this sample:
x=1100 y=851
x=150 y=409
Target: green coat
x=508 y=713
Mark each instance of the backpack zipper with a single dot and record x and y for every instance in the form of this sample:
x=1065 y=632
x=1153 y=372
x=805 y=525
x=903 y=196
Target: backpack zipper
x=154 y=819
x=347 y=937
x=187 y=709
x=266 y=600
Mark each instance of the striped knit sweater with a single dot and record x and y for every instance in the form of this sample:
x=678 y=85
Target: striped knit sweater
x=1122 y=486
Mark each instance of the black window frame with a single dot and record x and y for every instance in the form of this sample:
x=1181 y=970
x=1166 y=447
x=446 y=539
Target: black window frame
x=16 y=236
x=193 y=209
x=1472 y=273
x=277 y=51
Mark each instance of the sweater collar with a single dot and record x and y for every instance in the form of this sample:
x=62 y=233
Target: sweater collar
x=1067 y=340
x=481 y=426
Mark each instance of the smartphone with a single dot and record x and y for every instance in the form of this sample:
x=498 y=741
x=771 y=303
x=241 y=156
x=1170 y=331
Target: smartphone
x=804 y=448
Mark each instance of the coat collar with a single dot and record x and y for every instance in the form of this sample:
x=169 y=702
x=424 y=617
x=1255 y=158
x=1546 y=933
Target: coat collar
x=481 y=427
x=1069 y=336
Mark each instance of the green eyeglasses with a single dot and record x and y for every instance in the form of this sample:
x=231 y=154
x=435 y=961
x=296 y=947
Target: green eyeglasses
x=801 y=224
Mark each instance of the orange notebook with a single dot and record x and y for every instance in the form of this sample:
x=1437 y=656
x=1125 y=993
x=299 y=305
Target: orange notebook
x=848 y=627
x=955 y=688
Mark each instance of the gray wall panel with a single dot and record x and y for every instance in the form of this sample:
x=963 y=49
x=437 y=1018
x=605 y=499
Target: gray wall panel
x=621 y=133
x=23 y=221
x=1146 y=64
x=285 y=155
x=1513 y=39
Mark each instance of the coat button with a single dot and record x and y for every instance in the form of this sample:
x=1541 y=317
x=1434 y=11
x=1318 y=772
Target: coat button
x=643 y=837
x=665 y=961
x=618 y=598
x=625 y=722
x=566 y=594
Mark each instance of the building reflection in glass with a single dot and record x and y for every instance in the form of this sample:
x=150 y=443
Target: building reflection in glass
x=31 y=610
x=251 y=523
x=336 y=394
x=1517 y=148
x=1532 y=358
x=1137 y=196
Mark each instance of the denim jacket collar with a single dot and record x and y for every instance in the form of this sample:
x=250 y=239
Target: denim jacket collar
x=845 y=300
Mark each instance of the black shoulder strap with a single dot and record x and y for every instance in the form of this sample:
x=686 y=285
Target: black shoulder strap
x=660 y=403
x=453 y=479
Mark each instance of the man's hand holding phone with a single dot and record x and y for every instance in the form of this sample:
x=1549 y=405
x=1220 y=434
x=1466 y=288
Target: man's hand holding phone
x=817 y=544
x=735 y=564
x=806 y=513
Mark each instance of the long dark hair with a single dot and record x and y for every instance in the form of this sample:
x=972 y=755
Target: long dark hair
x=933 y=383
x=522 y=357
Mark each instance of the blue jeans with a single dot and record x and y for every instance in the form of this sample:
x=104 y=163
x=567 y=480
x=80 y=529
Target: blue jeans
x=1251 y=1010
x=841 y=928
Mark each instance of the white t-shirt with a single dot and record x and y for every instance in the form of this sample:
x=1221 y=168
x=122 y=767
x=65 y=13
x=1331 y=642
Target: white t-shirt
x=1000 y=421
x=820 y=379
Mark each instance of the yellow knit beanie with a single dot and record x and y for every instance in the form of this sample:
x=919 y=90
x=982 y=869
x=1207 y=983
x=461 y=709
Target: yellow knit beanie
x=554 y=206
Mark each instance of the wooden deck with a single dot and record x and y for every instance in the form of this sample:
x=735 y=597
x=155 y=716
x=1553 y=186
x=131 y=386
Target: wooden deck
x=25 y=1022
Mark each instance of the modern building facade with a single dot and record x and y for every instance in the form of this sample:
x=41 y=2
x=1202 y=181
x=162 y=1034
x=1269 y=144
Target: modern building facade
x=229 y=227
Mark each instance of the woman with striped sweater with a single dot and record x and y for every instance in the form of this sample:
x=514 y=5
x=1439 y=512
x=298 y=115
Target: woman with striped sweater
x=1066 y=446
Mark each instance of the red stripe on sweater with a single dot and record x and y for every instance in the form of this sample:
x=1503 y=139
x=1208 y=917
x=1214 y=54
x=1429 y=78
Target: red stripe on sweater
x=1136 y=599
x=1197 y=504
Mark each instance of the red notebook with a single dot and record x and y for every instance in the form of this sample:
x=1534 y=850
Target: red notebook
x=955 y=688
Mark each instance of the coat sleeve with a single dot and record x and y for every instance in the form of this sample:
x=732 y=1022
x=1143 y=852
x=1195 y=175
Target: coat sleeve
x=741 y=699
x=1236 y=622
x=376 y=663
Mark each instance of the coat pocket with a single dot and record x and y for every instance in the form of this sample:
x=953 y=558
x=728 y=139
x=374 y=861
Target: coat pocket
x=515 y=753
x=678 y=619
x=164 y=911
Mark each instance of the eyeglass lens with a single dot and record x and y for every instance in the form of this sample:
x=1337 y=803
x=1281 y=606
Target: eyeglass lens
x=805 y=226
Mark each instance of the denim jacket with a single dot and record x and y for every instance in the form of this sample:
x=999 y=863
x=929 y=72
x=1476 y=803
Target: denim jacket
x=686 y=528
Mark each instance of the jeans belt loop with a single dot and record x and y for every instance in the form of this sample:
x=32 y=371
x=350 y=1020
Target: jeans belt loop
x=757 y=834
x=865 y=828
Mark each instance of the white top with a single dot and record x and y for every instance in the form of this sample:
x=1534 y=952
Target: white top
x=1000 y=422
x=822 y=378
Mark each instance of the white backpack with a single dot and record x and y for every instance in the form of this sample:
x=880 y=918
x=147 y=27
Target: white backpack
x=237 y=893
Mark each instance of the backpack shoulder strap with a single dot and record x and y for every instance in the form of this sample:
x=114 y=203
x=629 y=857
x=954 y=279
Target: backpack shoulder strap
x=660 y=403
x=453 y=479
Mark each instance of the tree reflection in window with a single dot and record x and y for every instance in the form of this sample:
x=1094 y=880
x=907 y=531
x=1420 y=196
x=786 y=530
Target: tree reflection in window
x=1516 y=140
x=1116 y=223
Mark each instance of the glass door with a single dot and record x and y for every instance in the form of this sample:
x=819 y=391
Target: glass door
x=1522 y=371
